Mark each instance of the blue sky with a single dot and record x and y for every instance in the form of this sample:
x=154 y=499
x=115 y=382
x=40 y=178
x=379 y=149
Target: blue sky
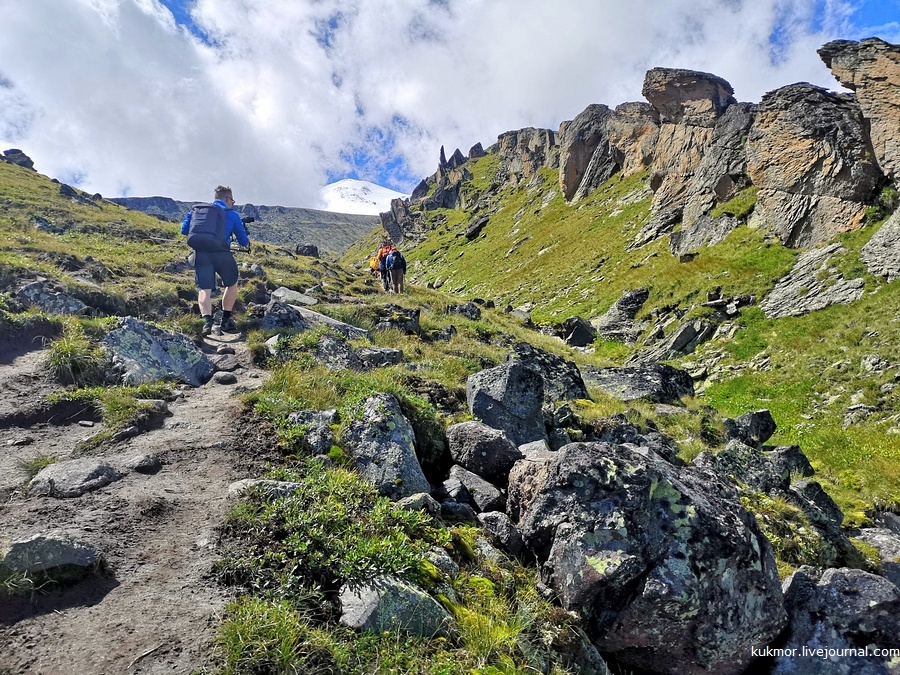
x=279 y=97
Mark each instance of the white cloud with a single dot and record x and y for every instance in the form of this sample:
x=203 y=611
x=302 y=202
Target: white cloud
x=284 y=93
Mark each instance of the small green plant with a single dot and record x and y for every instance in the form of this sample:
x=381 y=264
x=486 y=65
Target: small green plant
x=885 y=204
x=739 y=206
x=31 y=467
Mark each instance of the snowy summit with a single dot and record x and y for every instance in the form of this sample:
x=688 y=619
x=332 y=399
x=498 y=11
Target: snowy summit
x=358 y=196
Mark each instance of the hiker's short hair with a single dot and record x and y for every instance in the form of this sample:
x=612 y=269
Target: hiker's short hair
x=222 y=192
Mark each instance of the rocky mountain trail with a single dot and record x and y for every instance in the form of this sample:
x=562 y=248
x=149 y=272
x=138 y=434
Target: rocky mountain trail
x=152 y=605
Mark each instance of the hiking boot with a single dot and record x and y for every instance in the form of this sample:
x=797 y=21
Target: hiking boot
x=229 y=326
x=207 y=328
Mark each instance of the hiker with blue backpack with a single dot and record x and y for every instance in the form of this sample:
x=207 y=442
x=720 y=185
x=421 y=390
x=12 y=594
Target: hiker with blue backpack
x=209 y=228
x=396 y=267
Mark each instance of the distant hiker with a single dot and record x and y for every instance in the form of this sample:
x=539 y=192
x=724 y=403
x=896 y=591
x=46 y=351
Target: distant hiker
x=373 y=265
x=209 y=228
x=382 y=266
x=396 y=265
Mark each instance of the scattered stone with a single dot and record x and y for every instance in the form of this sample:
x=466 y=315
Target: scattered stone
x=318 y=423
x=225 y=378
x=456 y=512
x=752 y=428
x=53 y=556
x=420 y=502
x=21 y=441
x=19 y=158
x=395 y=317
x=85 y=423
x=562 y=379
x=226 y=362
x=310 y=250
x=887 y=543
x=379 y=357
x=578 y=332
x=468 y=309
x=72 y=478
x=442 y=560
x=292 y=297
x=386 y=604
x=280 y=315
x=224 y=349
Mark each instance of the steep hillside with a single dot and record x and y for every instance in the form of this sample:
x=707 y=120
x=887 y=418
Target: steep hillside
x=279 y=225
x=767 y=271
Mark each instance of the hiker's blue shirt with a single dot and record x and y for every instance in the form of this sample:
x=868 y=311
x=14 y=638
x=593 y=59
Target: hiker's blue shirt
x=233 y=225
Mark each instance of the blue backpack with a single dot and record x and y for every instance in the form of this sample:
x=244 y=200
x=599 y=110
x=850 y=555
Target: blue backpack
x=207 y=229
x=394 y=261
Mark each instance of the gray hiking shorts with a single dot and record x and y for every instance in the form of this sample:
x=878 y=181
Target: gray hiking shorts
x=210 y=263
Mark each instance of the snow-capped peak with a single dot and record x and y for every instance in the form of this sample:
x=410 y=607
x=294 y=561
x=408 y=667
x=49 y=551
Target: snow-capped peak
x=358 y=196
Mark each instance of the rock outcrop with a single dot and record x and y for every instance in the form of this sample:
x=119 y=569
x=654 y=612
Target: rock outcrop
x=654 y=382
x=871 y=68
x=580 y=140
x=812 y=284
x=509 y=397
x=618 y=322
x=881 y=254
x=633 y=131
x=810 y=157
x=526 y=151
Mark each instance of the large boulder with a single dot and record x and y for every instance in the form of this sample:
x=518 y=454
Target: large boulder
x=17 y=157
x=53 y=556
x=383 y=447
x=809 y=155
x=316 y=426
x=881 y=254
x=509 y=397
x=813 y=283
x=618 y=322
x=145 y=353
x=481 y=494
x=671 y=573
x=562 y=379
x=387 y=604
x=871 y=68
x=483 y=450
x=579 y=141
x=72 y=478
x=840 y=609
x=656 y=382
x=752 y=428
x=280 y=316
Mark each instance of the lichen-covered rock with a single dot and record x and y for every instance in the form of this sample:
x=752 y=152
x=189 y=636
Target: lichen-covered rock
x=392 y=605
x=145 y=353
x=669 y=570
x=840 y=609
x=618 y=322
x=684 y=339
x=482 y=450
x=467 y=309
x=509 y=397
x=379 y=357
x=887 y=544
x=280 y=316
x=871 y=68
x=53 y=556
x=881 y=254
x=808 y=153
x=501 y=531
x=810 y=285
x=395 y=317
x=655 y=382
x=292 y=297
x=273 y=489
x=577 y=332
x=383 y=447
x=746 y=464
x=72 y=478
x=48 y=298
x=561 y=377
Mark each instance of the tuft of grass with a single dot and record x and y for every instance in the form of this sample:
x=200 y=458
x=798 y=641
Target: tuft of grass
x=31 y=467
x=739 y=206
x=75 y=359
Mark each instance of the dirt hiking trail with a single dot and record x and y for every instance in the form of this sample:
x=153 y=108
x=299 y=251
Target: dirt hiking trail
x=155 y=607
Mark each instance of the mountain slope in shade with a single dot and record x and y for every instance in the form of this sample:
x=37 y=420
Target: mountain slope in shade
x=359 y=197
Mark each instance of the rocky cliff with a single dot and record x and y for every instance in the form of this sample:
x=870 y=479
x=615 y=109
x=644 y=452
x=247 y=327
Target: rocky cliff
x=817 y=159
